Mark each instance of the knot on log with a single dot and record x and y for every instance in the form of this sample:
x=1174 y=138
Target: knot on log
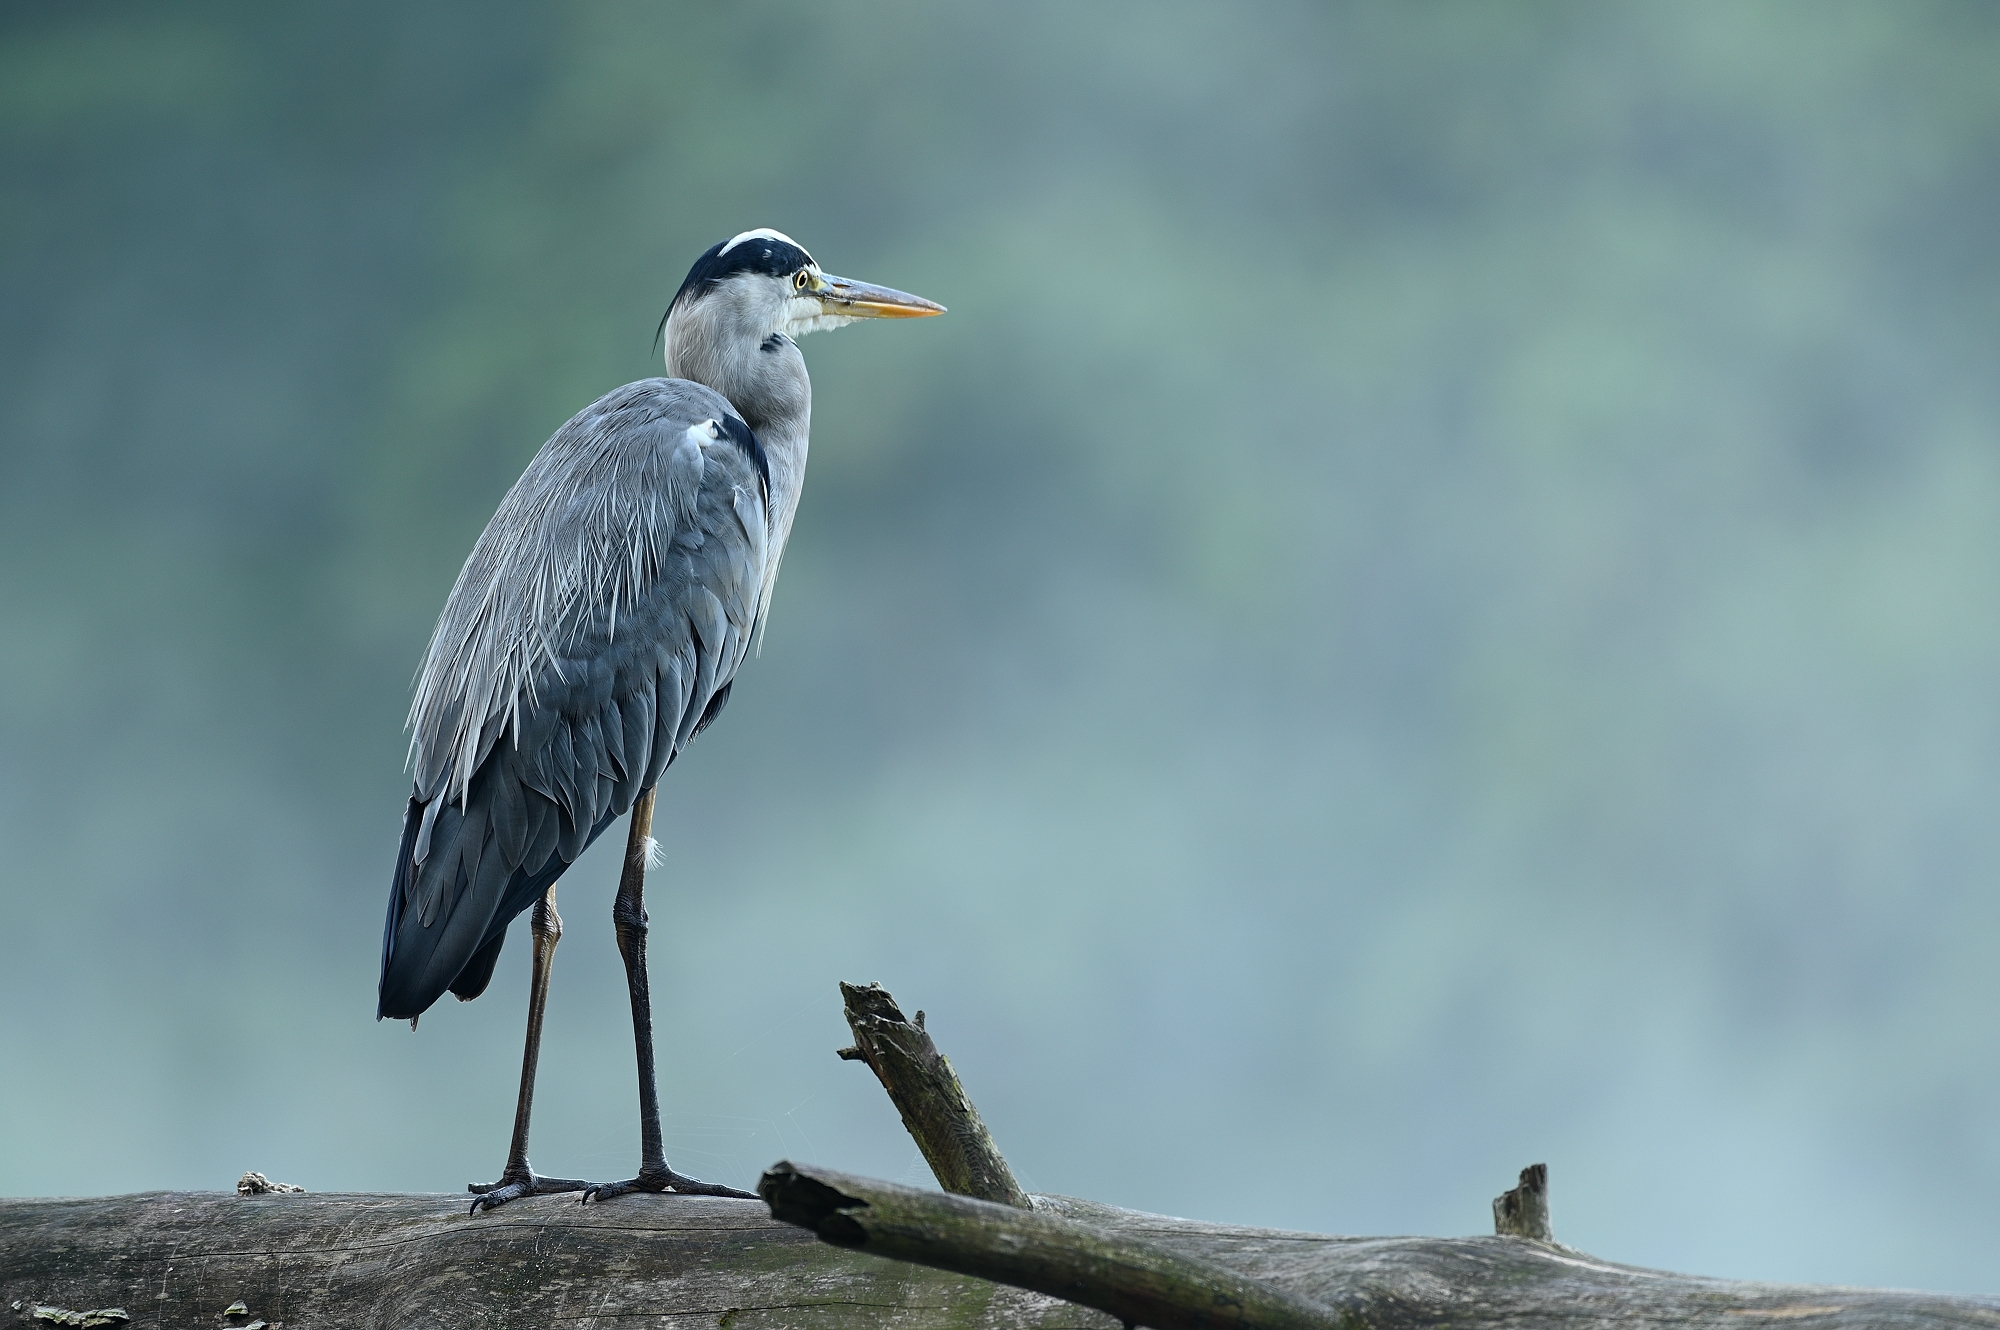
x=256 y=1184
x=1523 y=1212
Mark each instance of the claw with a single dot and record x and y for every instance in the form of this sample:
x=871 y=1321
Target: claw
x=512 y=1186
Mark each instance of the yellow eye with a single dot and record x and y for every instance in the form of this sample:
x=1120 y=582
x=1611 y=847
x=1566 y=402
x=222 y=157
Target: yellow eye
x=799 y=279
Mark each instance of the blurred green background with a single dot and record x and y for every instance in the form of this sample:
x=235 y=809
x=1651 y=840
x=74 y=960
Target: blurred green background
x=1430 y=607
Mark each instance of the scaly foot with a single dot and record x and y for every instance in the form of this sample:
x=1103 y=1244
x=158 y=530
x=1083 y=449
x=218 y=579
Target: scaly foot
x=516 y=1183
x=662 y=1180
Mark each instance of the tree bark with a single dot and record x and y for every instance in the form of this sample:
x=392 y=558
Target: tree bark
x=402 y=1262
x=1138 y=1282
x=935 y=1109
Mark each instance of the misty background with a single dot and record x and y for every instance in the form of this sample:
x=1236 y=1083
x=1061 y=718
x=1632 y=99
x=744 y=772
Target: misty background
x=1431 y=606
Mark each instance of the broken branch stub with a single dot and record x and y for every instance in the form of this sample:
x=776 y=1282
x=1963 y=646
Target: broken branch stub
x=1523 y=1212
x=934 y=1107
x=1139 y=1282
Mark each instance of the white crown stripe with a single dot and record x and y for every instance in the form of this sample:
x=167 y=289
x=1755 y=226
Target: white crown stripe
x=763 y=233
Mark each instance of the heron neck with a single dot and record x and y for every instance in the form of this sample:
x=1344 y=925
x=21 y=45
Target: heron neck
x=771 y=390
x=785 y=441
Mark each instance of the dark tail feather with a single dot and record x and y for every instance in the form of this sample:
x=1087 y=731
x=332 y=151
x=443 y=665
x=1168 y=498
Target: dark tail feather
x=440 y=916
x=478 y=971
x=476 y=898
x=412 y=820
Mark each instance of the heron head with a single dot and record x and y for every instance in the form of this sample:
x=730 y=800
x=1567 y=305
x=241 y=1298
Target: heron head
x=762 y=283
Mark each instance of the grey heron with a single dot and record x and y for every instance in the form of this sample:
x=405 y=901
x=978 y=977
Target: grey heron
x=594 y=631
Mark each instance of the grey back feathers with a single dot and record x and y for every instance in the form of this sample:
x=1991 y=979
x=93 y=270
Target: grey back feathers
x=593 y=631
x=586 y=529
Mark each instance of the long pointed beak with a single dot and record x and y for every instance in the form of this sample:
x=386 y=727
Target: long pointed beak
x=865 y=300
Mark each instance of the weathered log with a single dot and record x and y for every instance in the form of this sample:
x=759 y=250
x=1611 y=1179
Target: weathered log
x=1139 y=1282
x=180 y=1259
x=935 y=1109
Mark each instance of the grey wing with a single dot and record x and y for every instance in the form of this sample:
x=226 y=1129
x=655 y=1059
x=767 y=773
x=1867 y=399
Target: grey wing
x=663 y=528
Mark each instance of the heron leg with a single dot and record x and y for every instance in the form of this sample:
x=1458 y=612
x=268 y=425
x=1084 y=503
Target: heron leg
x=628 y=913
x=517 y=1179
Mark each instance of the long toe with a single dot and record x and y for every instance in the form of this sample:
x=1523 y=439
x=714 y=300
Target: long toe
x=496 y=1195
x=658 y=1183
x=493 y=1195
x=692 y=1187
